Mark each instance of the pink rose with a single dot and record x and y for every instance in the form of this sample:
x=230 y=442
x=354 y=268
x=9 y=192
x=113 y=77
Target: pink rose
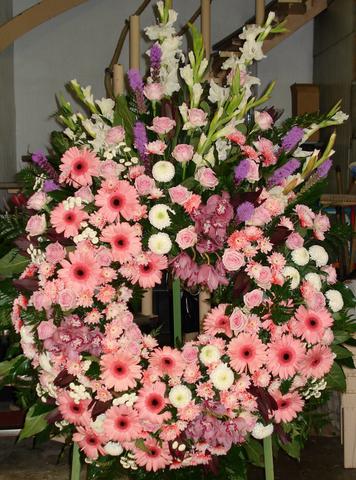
x=46 y=329
x=156 y=148
x=253 y=173
x=254 y=298
x=40 y=300
x=55 y=253
x=37 y=201
x=179 y=194
x=109 y=168
x=206 y=177
x=197 y=117
x=67 y=299
x=162 y=125
x=237 y=320
x=153 y=91
x=187 y=237
x=294 y=241
x=36 y=225
x=183 y=152
x=264 y=277
x=85 y=194
x=115 y=135
x=233 y=260
x=263 y=120
x=190 y=353
x=144 y=184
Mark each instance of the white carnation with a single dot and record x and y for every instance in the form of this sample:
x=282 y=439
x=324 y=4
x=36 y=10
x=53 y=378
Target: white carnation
x=300 y=256
x=158 y=216
x=314 y=280
x=335 y=300
x=319 y=255
x=160 y=243
x=222 y=377
x=163 y=171
x=113 y=448
x=292 y=274
x=261 y=431
x=209 y=354
x=180 y=396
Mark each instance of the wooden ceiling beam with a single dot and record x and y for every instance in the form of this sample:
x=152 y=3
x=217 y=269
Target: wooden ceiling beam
x=32 y=17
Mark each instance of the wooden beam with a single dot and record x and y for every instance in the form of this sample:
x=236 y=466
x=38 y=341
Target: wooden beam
x=32 y=17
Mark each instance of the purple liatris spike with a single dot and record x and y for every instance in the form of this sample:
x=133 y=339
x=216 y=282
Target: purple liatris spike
x=136 y=84
x=155 y=61
x=293 y=137
x=241 y=170
x=284 y=171
x=324 y=168
x=140 y=142
x=245 y=211
x=40 y=159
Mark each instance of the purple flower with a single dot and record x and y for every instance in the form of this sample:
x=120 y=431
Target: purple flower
x=241 y=170
x=140 y=142
x=284 y=171
x=155 y=61
x=245 y=211
x=293 y=137
x=50 y=186
x=324 y=168
x=135 y=79
x=40 y=159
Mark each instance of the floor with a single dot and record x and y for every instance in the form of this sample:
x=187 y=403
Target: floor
x=322 y=456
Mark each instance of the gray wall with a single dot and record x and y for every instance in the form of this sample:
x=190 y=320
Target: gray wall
x=7 y=115
x=79 y=44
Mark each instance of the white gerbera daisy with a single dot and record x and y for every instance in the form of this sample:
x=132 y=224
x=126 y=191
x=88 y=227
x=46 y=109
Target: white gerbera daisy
x=300 y=256
x=319 y=255
x=292 y=274
x=209 y=354
x=158 y=216
x=222 y=377
x=163 y=171
x=160 y=243
x=180 y=396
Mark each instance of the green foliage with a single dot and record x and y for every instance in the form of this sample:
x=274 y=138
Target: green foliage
x=12 y=225
x=60 y=142
x=27 y=178
x=34 y=423
x=254 y=452
x=12 y=263
x=336 y=378
x=123 y=116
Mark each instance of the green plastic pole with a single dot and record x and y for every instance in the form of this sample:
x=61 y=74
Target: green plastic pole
x=268 y=454
x=75 y=475
x=177 y=313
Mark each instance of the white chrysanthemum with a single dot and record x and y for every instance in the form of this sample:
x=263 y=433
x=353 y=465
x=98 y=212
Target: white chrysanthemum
x=261 y=431
x=314 y=279
x=160 y=243
x=319 y=255
x=180 y=396
x=222 y=377
x=300 y=256
x=209 y=354
x=292 y=274
x=163 y=171
x=158 y=216
x=335 y=300
x=113 y=448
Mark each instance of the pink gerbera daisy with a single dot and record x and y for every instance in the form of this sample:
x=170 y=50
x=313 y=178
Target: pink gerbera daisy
x=311 y=324
x=151 y=402
x=90 y=442
x=153 y=456
x=119 y=371
x=148 y=272
x=284 y=355
x=124 y=241
x=78 y=167
x=117 y=199
x=317 y=362
x=289 y=406
x=217 y=322
x=67 y=221
x=247 y=352
x=81 y=273
x=122 y=424
x=167 y=361
x=73 y=412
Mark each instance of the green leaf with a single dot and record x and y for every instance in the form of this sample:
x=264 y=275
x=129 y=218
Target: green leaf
x=292 y=448
x=123 y=116
x=336 y=378
x=8 y=366
x=340 y=337
x=12 y=263
x=341 y=352
x=33 y=424
x=254 y=451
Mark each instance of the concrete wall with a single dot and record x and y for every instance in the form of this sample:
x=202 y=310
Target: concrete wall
x=7 y=99
x=79 y=44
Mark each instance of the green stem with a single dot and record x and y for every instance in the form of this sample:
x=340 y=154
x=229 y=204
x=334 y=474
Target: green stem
x=177 y=313
x=268 y=454
x=75 y=475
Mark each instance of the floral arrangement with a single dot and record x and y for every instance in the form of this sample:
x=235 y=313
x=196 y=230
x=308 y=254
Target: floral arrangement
x=174 y=176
